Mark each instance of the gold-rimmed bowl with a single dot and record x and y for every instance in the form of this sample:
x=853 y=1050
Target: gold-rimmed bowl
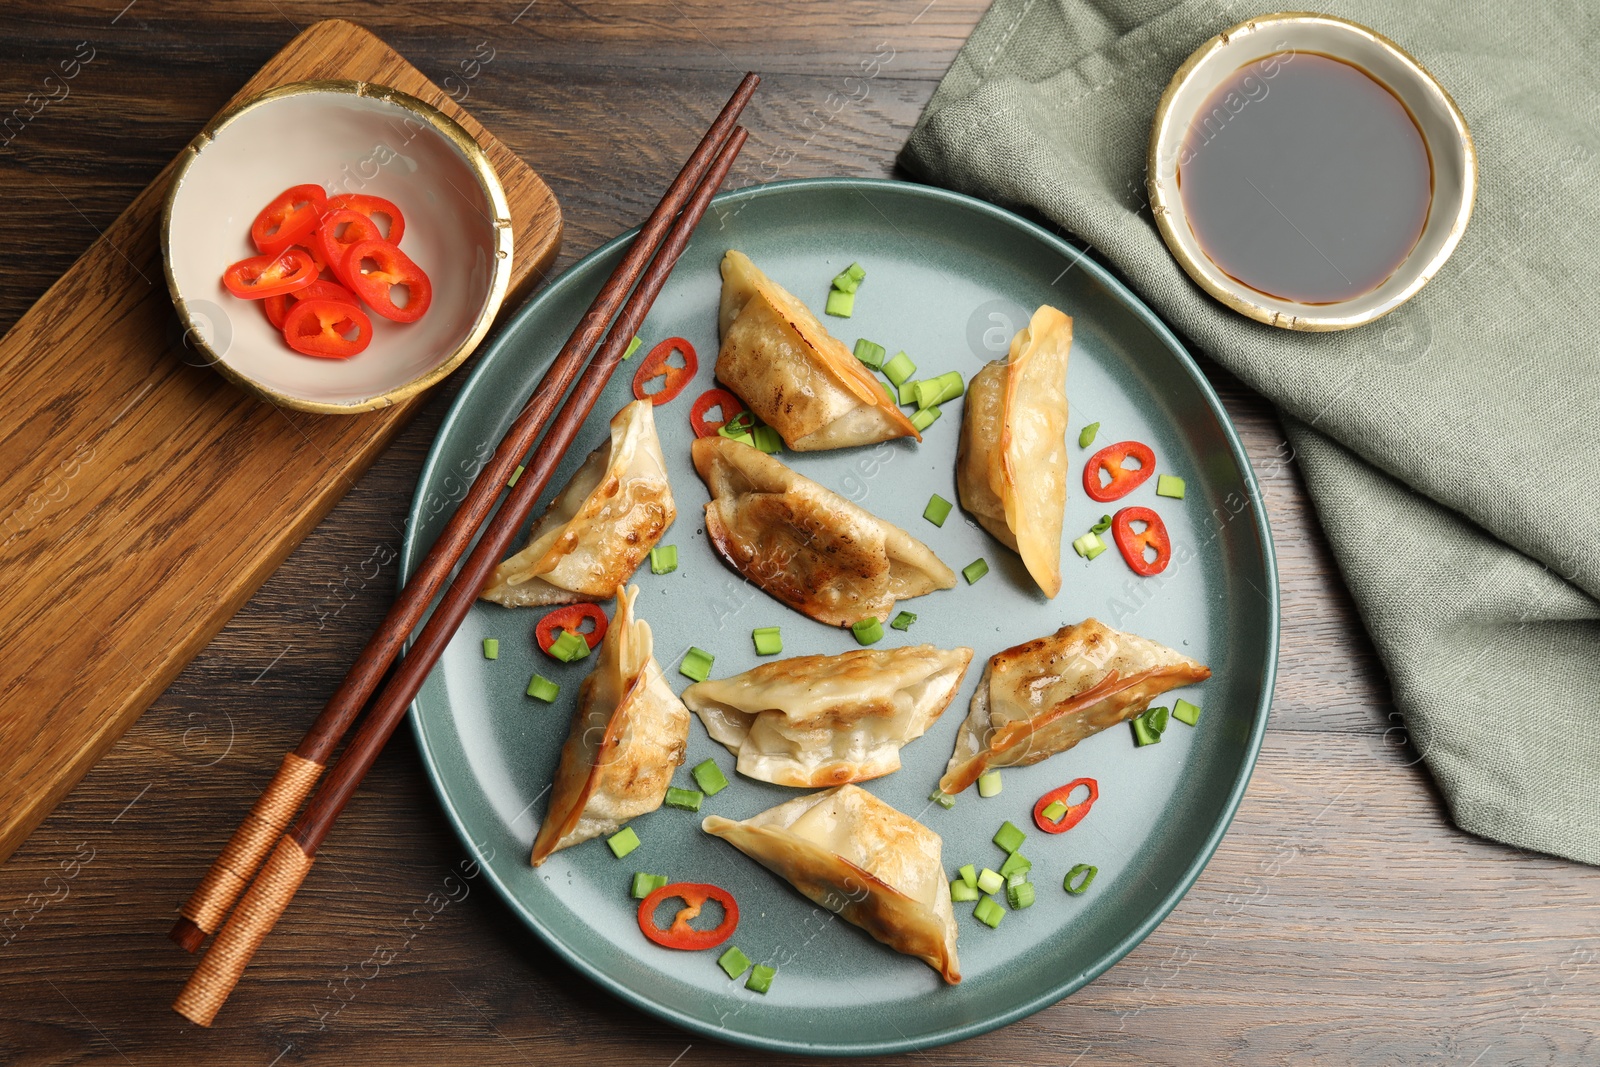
x=1453 y=159
x=350 y=137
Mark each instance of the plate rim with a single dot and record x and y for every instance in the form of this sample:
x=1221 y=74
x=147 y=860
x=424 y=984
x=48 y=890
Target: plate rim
x=1235 y=796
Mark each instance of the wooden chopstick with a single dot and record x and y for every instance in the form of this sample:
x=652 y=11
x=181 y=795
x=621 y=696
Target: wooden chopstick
x=224 y=962
x=231 y=873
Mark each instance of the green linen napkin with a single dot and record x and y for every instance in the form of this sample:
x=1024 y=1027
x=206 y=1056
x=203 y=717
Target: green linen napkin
x=1452 y=448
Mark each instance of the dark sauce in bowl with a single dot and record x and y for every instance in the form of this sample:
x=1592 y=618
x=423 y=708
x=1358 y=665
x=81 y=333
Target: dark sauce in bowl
x=1305 y=178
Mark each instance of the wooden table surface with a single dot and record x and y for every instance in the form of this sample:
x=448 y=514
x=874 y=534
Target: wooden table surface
x=1343 y=921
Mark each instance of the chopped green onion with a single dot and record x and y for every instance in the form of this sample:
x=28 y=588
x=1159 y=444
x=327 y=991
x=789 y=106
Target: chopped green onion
x=1086 y=435
x=899 y=369
x=856 y=271
x=924 y=392
x=943 y=799
x=890 y=392
x=1017 y=878
x=1102 y=526
x=768 y=639
x=542 y=688
x=869 y=631
x=623 y=842
x=663 y=559
x=760 y=979
x=989 y=912
x=709 y=777
x=1008 y=837
x=733 y=961
x=1088 y=870
x=870 y=353
x=1020 y=896
x=696 y=664
x=1184 y=711
x=925 y=418
x=1158 y=719
x=969 y=875
x=907 y=392
x=684 y=799
x=840 y=305
x=741 y=438
x=989 y=784
x=1015 y=864
x=645 y=884
x=1149 y=726
x=990 y=881
x=633 y=346
x=491 y=648
x=1053 y=811
x=1169 y=485
x=1089 y=545
x=738 y=426
x=903 y=621
x=975 y=570
x=938 y=509
x=960 y=891
x=935 y=391
x=767 y=439
x=569 y=647
x=516 y=474
x=845 y=283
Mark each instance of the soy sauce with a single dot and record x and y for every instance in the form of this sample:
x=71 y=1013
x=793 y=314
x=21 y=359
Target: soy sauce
x=1305 y=178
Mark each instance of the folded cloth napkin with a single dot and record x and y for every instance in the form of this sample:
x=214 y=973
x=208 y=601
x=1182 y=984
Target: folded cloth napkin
x=1452 y=448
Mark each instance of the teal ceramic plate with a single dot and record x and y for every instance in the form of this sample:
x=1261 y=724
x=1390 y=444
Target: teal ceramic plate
x=949 y=279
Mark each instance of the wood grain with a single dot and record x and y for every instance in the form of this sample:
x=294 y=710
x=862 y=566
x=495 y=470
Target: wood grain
x=1365 y=932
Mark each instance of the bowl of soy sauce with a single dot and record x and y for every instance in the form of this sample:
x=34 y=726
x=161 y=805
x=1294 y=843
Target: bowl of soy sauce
x=1307 y=172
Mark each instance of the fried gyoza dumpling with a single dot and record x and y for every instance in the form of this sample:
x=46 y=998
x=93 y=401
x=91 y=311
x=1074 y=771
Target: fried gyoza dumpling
x=853 y=854
x=809 y=547
x=798 y=378
x=606 y=520
x=1011 y=467
x=628 y=735
x=1045 y=696
x=826 y=720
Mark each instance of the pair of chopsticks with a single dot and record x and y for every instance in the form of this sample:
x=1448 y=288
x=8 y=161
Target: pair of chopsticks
x=643 y=270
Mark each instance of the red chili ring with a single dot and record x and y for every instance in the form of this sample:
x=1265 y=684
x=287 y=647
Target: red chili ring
x=712 y=398
x=1132 y=543
x=680 y=935
x=655 y=365
x=1075 y=812
x=570 y=618
x=1123 y=480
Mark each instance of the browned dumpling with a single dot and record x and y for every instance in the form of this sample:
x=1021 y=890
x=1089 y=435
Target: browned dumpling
x=601 y=526
x=1045 y=696
x=629 y=733
x=860 y=858
x=806 y=545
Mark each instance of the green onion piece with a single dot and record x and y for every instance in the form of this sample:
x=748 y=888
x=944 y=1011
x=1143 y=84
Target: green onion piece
x=623 y=842
x=709 y=777
x=1015 y=864
x=1088 y=870
x=1053 y=811
x=969 y=875
x=1016 y=878
x=925 y=392
x=989 y=784
x=760 y=979
x=663 y=559
x=1158 y=719
x=1008 y=837
x=899 y=369
x=1086 y=435
x=1102 y=526
x=903 y=621
x=684 y=799
x=990 y=881
x=738 y=426
x=907 y=393
x=989 y=912
x=857 y=271
x=869 y=631
x=516 y=474
x=491 y=648
x=767 y=439
x=960 y=891
x=1020 y=896
x=742 y=438
x=975 y=570
x=768 y=639
x=1089 y=545
x=932 y=392
x=840 y=305
x=845 y=282
x=870 y=353
x=938 y=509
x=1182 y=710
x=645 y=884
x=1169 y=485
x=733 y=961
x=889 y=391
x=696 y=664
x=542 y=688
x=1142 y=733
x=633 y=346
x=1093 y=552
x=925 y=418
x=943 y=799
x=569 y=647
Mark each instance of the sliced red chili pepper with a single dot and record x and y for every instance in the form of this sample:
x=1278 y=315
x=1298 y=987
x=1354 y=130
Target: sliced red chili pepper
x=259 y=277
x=392 y=269
x=289 y=219
x=570 y=618
x=680 y=934
x=370 y=206
x=713 y=398
x=1123 y=480
x=322 y=328
x=655 y=365
x=1075 y=812
x=340 y=230
x=277 y=307
x=1132 y=543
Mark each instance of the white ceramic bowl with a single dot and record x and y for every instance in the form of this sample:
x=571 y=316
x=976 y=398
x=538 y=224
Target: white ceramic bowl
x=1455 y=163
x=351 y=137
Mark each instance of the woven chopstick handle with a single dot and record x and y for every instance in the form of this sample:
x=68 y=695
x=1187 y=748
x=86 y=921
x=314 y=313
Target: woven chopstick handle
x=225 y=961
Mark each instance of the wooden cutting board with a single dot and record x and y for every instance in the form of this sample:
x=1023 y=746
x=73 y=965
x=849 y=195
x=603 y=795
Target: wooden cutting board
x=143 y=499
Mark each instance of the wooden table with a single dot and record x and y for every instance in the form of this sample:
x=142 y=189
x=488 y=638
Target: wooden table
x=1343 y=921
